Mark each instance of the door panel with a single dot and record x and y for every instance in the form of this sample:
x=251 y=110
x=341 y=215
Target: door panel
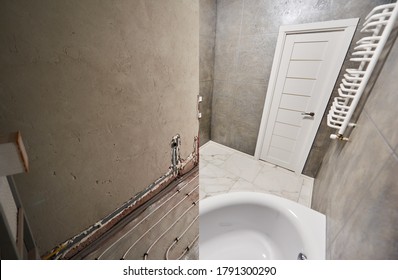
x=286 y=130
x=286 y=144
x=298 y=86
x=289 y=117
x=304 y=69
x=309 y=50
x=294 y=102
x=280 y=154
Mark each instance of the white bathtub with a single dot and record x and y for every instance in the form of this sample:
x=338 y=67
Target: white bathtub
x=247 y=225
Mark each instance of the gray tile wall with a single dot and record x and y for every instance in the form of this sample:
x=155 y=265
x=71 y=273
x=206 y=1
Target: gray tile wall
x=207 y=35
x=357 y=185
x=247 y=31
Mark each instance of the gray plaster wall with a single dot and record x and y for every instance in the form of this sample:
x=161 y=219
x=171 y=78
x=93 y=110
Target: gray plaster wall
x=98 y=89
x=207 y=36
x=357 y=185
x=247 y=31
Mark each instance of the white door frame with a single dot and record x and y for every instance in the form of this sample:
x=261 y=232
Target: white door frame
x=348 y=26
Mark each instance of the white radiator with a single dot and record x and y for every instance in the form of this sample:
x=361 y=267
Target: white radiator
x=379 y=24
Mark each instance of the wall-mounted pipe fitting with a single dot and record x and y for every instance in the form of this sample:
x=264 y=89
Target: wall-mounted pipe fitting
x=175 y=153
x=339 y=137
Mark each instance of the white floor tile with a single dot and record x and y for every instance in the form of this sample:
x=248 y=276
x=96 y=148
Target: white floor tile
x=279 y=182
x=271 y=177
x=224 y=170
x=306 y=201
x=214 y=153
x=307 y=180
x=202 y=163
x=214 y=180
x=243 y=186
x=202 y=193
x=306 y=192
x=242 y=166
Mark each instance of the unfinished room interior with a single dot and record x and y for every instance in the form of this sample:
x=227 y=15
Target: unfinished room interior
x=103 y=98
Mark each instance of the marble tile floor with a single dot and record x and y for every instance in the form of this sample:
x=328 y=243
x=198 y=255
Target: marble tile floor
x=222 y=170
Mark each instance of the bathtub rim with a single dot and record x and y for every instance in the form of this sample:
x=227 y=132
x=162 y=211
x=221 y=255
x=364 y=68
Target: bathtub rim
x=308 y=222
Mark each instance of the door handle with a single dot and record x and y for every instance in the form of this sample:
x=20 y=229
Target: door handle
x=308 y=114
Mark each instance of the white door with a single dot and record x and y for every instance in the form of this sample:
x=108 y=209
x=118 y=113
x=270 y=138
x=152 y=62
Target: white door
x=305 y=69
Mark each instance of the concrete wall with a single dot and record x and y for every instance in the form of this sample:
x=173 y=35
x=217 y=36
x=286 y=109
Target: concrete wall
x=247 y=31
x=98 y=89
x=207 y=36
x=357 y=186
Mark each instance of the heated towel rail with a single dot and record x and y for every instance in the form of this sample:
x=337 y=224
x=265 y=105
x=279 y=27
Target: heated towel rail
x=378 y=23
